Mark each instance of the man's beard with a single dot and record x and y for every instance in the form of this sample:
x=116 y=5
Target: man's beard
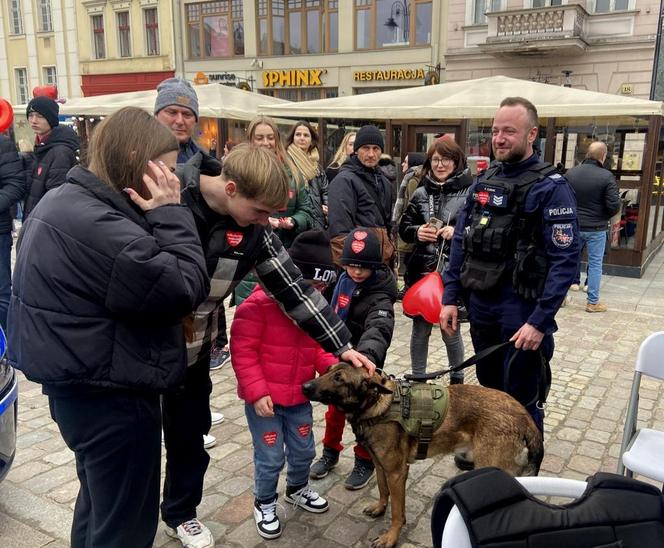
x=516 y=154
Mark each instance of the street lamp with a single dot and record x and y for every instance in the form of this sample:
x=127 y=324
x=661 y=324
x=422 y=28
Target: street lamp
x=398 y=10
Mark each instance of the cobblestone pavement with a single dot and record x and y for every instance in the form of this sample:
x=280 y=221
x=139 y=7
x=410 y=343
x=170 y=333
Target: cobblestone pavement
x=592 y=374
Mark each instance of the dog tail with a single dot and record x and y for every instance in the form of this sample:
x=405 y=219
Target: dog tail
x=534 y=443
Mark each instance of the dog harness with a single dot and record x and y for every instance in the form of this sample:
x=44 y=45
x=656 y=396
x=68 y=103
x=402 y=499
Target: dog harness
x=613 y=512
x=419 y=408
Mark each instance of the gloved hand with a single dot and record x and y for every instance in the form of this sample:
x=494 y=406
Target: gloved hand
x=530 y=273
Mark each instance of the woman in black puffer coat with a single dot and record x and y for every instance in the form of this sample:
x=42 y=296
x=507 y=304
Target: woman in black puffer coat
x=445 y=184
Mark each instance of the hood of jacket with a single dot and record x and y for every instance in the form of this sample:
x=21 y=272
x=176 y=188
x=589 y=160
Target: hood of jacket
x=455 y=183
x=59 y=136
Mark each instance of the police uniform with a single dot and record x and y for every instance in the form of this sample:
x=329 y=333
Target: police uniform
x=513 y=257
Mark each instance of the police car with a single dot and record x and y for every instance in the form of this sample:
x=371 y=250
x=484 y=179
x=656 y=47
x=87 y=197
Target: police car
x=8 y=410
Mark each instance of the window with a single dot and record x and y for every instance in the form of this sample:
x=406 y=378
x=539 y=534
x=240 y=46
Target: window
x=124 y=37
x=50 y=76
x=546 y=3
x=390 y=23
x=604 y=6
x=301 y=94
x=15 y=17
x=45 y=22
x=98 y=43
x=481 y=7
x=21 y=75
x=215 y=29
x=293 y=27
x=151 y=31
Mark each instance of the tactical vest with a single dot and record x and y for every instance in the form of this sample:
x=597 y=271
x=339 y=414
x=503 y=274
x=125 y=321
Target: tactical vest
x=499 y=225
x=613 y=512
x=419 y=408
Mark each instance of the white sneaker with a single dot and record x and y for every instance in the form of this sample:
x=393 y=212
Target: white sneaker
x=209 y=441
x=217 y=418
x=267 y=521
x=192 y=534
x=307 y=499
x=574 y=287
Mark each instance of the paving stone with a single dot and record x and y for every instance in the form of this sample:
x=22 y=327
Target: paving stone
x=346 y=531
x=15 y=533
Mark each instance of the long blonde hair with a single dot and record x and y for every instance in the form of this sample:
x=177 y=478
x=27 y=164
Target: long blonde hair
x=340 y=155
x=278 y=145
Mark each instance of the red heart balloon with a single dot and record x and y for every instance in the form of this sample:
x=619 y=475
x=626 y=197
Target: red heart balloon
x=425 y=297
x=6 y=114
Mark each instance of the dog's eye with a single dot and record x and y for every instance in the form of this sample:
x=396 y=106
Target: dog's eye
x=337 y=377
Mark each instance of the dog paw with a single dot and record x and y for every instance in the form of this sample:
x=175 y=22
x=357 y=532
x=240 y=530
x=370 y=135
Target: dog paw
x=375 y=510
x=386 y=540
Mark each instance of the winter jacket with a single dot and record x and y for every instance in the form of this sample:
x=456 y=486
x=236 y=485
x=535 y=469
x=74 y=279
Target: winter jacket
x=271 y=355
x=371 y=314
x=446 y=200
x=317 y=188
x=100 y=290
x=331 y=172
x=387 y=167
x=299 y=208
x=597 y=196
x=409 y=183
x=51 y=160
x=12 y=182
x=232 y=251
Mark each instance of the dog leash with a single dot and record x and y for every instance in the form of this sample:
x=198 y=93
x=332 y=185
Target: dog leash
x=544 y=383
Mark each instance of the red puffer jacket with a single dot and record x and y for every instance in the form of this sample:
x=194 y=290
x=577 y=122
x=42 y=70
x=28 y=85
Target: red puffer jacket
x=271 y=355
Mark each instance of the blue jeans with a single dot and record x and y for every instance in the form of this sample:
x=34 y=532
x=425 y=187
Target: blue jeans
x=595 y=243
x=287 y=436
x=6 y=242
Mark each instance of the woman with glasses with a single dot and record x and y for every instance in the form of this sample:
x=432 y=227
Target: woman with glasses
x=428 y=223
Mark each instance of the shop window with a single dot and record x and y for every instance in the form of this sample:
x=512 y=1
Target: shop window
x=21 y=76
x=387 y=23
x=301 y=94
x=215 y=29
x=50 y=76
x=295 y=27
x=124 y=36
x=15 y=17
x=481 y=7
x=151 y=18
x=45 y=21
x=98 y=40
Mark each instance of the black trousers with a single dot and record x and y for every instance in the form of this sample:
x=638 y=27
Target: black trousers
x=222 y=337
x=186 y=417
x=115 y=436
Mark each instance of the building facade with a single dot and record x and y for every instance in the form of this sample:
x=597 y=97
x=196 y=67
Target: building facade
x=38 y=47
x=311 y=49
x=598 y=45
x=124 y=45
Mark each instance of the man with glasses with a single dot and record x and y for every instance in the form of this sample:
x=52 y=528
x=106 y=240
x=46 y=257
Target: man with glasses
x=515 y=252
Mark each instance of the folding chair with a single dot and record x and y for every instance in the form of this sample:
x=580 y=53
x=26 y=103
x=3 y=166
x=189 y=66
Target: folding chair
x=455 y=534
x=642 y=449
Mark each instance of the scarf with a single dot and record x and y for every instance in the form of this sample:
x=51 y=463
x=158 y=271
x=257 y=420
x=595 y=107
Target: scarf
x=343 y=293
x=307 y=164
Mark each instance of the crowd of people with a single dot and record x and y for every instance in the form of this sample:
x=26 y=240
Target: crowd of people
x=117 y=305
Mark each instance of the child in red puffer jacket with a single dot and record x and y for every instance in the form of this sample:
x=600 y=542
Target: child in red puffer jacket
x=272 y=358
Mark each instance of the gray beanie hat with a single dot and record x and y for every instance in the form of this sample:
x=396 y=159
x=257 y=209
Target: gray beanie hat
x=175 y=91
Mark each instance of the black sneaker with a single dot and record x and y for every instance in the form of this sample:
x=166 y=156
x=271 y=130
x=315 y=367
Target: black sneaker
x=306 y=498
x=361 y=474
x=462 y=463
x=219 y=357
x=456 y=379
x=323 y=465
x=401 y=293
x=267 y=521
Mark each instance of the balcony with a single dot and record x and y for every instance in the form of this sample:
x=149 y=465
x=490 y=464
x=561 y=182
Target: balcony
x=556 y=30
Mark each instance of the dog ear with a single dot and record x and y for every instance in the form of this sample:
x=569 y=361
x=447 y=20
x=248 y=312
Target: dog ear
x=378 y=384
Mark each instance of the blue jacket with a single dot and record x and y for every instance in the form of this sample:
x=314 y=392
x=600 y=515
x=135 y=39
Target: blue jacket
x=554 y=200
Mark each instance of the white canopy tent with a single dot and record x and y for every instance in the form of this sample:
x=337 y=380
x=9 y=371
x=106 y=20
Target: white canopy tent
x=214 y=100
x=468 y=99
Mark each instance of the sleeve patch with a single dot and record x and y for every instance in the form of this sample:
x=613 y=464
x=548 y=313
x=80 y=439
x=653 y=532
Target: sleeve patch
x=383 y=313
x=562 y=235
x=560 y=213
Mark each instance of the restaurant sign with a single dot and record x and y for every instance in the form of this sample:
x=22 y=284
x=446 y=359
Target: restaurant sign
x=398 y=74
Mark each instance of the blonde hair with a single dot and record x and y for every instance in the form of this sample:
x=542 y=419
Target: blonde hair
x=122 y=144
x=258 y=175
x=340 y=155
x=278 y=145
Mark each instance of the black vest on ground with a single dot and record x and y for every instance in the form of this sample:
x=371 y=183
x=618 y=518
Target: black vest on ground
x=499 y=226
x=613 y=512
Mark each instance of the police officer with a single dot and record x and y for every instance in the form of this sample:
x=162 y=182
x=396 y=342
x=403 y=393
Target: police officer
x=514 y=254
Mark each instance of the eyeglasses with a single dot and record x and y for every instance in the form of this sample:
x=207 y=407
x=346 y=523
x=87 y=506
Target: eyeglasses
x=442 y=161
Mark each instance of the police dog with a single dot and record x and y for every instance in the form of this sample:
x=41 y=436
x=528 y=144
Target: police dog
x=488 y=426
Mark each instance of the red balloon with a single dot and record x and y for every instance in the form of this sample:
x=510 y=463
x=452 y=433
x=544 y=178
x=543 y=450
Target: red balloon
x=6 y=114
x=425 y=298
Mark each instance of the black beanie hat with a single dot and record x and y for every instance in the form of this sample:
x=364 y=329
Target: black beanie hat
x=368 y=135
x=45 y=106
x=362 y=248
x=416 y=158
x=310 y=251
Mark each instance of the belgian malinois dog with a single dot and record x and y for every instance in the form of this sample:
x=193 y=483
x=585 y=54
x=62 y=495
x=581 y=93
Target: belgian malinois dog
x=490 y=427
